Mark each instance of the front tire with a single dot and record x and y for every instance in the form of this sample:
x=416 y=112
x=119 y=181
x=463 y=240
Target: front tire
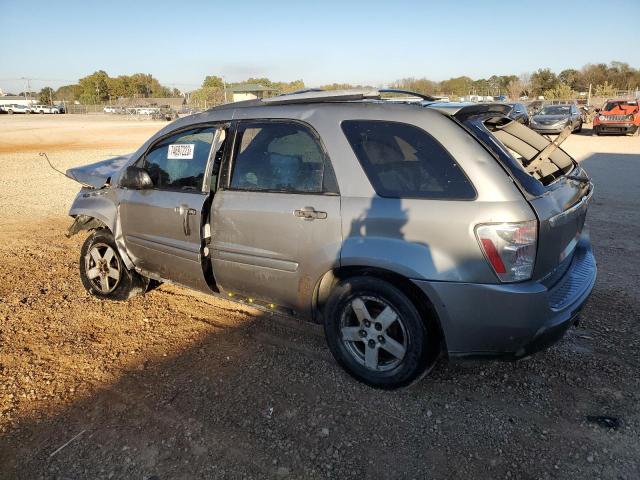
x=376 y=333
x=103 y=272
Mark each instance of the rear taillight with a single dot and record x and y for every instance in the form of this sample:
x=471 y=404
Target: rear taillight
x=510 y=248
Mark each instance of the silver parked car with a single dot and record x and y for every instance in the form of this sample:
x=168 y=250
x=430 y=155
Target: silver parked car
x=555 y=118
x=406 y=231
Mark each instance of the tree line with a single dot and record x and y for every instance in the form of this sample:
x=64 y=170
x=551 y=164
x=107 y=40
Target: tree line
x=603 y=79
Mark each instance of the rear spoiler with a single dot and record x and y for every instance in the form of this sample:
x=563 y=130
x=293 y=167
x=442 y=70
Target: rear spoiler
x=483 y=109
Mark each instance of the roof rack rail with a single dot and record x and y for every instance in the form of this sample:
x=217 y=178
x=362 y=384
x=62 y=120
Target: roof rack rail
x=428 y=98
x=316 y=95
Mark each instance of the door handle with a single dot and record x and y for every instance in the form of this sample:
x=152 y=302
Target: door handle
x=309 y=213
x=185 y=211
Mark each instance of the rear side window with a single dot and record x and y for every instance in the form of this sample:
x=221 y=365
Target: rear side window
x=404 y=161
x=279 y=156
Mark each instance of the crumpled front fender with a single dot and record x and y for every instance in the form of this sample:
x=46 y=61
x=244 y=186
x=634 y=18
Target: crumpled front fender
x=99 y=205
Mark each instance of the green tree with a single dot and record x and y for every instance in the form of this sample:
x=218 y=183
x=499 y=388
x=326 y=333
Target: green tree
x=94 y=88
x=605 y=90
x=457 y=86
x=481 y=86
x=68 y=93
x=211 y=81
x=542 y=80
x=418 y=85
x=504 y=81
x=572 y=78
x=594 y=74
x=560 y=91
x=45 y=97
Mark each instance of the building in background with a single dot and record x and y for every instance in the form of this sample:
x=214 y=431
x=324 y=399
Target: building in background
x=16 y=100
x=248 y=91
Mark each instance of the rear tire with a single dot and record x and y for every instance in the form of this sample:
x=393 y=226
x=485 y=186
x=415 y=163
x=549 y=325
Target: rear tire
x=579 y=127
x=103 y=272
x=376 y=333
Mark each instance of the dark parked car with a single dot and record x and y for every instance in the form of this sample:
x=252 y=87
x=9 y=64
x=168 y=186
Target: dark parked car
x=555 y=118
x=408 y=232
x=519 y=113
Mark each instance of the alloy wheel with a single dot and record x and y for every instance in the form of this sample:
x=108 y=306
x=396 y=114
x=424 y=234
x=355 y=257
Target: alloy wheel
x=373 y=333
x=103 y=268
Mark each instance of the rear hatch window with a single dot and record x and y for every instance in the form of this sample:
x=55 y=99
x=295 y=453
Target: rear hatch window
x=558 y=189
x=525 y=145
x=520 y=151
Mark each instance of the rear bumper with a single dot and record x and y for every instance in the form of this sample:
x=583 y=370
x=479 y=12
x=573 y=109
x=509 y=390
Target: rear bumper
x=615 y=128
x=512 y=320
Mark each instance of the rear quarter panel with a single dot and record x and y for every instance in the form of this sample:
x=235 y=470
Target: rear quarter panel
x=420 y=239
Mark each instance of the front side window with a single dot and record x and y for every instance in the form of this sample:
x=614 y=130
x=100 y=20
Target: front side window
x=180 y=161
x=278 y=157
x=404 y=161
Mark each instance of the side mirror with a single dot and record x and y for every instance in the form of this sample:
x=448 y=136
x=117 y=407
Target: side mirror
x=136 y=178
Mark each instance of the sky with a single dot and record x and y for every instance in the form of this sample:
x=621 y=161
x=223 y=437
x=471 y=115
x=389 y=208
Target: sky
x=374 y=42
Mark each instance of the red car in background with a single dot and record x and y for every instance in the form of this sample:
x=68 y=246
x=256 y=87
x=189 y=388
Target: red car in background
x=618 y=116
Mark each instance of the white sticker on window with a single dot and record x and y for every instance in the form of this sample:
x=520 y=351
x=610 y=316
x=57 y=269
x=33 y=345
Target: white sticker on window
x=181 y=151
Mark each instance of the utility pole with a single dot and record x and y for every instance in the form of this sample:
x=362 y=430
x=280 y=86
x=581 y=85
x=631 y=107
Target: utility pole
x=27 y=87
x=224 y=88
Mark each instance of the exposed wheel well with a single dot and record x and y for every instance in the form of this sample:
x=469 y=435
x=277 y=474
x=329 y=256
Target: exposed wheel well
x=85 y=222
x=411 y=290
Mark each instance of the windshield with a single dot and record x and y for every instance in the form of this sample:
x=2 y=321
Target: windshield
x=556 y=110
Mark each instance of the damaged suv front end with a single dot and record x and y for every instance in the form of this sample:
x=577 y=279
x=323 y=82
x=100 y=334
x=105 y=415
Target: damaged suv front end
x=618 y=117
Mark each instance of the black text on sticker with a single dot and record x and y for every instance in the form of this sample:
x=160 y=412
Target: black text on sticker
x=180 y=151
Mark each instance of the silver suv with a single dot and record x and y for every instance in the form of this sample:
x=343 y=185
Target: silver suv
x=408 y=232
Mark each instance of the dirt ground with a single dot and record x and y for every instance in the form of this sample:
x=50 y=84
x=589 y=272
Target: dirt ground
x=176 y=384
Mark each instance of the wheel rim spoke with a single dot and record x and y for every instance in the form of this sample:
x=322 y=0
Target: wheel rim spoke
x=113 y=273
x=93 y=273
x=104 y=283
x=351 y=334
x=108 y=255
x=386 y=317
x=394 y=348
x=95 y=254
x=360 y=309
x=371 y=357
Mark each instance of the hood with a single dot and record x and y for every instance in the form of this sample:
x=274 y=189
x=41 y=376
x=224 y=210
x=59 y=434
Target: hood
x=99 y=173
x=630 y=110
